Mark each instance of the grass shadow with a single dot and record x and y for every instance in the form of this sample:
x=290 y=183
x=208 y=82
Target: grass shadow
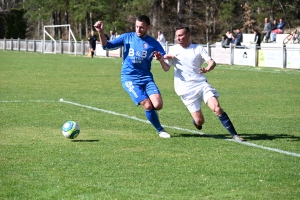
x=247 y=137
x=84 y=140
x=263 y=136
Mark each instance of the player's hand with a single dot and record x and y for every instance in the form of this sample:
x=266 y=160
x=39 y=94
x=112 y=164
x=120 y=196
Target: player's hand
x=157 y=56
x=168 y=56
x=204 y=70
x=99 y=26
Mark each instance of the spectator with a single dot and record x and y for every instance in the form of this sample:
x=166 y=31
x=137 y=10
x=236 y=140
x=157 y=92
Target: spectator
x=161 y=38
x=257 y=38
x=278 y=30
x=225 y=41
x=229 y=35
x=112 y=36
x=239 y=36
x=274 y=25
x=117 y=35
x=267 y=30
x=235 y=41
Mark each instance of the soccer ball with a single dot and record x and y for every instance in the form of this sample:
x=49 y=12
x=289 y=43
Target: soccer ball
x=70 y=129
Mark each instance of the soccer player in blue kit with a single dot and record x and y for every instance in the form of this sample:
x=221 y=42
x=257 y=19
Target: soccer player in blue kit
x=136 y=76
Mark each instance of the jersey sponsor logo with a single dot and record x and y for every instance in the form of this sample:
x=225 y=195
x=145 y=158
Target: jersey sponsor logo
x=130 y=87
x=137 y=56
x=145 y=45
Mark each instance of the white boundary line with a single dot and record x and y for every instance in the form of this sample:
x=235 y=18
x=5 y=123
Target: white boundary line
x=146 y=121
x=21 y=101
x=182 y=129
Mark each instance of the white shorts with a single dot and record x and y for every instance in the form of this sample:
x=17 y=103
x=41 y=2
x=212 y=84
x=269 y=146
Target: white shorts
x=193 y=99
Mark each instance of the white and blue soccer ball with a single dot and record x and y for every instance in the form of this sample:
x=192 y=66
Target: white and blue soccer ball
x=70 y=129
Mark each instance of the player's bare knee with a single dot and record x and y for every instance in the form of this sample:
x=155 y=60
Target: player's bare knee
x=199 y=121
x=218 y=111
x=158 y=107
x=146 y=104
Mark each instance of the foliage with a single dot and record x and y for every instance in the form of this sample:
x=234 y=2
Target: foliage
x=207 y=19
x=15 y=26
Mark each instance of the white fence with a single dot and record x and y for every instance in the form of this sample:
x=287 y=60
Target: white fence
x=267 y=55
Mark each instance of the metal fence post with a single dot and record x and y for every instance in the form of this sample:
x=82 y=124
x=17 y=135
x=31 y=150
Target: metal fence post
x=18 y=44
x=167 y=47
x=34 y=47
x=255 y=55
x=231 y=53
x=82 y=48
x=208 y=49
x=61 y=46
x=283 y=56
x=26 y=44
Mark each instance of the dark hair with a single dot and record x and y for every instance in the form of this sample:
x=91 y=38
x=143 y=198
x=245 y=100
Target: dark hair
x=185 y=29
x=143 y=18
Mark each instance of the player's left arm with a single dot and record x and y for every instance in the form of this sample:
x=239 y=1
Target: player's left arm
x=158 y=56
x=210 y=62
x=210 y=66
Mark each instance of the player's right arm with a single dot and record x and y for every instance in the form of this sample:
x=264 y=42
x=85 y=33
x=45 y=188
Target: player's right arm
x=99 y=26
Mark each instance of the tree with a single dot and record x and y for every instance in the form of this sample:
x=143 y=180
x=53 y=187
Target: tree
x=15 y=26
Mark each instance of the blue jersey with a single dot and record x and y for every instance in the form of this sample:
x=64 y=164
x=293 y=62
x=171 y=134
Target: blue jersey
x=137 y=56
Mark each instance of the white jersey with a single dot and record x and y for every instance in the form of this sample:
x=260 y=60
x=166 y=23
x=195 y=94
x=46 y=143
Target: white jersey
x=187 y=65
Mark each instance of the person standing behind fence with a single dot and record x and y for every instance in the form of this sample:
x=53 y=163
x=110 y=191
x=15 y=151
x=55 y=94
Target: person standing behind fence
x=92 y=43
x=161 y=38
x=257 y=38
x=267 y=30
x=136 y=77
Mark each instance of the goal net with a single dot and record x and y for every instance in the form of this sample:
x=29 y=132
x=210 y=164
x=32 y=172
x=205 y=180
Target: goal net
x=51 y=46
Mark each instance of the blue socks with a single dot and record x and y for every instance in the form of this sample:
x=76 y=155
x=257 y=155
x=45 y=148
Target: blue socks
x=227 y=124
x=152 y=116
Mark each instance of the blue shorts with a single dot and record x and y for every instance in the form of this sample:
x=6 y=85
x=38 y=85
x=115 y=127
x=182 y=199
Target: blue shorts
x=139 y=92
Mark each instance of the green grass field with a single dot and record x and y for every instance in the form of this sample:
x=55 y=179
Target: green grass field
x=119 y=156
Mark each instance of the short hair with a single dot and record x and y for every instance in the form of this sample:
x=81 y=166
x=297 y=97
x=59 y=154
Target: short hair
x=185 y=29
x=143 y=18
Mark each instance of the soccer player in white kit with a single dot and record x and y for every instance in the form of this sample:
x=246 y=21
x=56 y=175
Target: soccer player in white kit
x=190 y=83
